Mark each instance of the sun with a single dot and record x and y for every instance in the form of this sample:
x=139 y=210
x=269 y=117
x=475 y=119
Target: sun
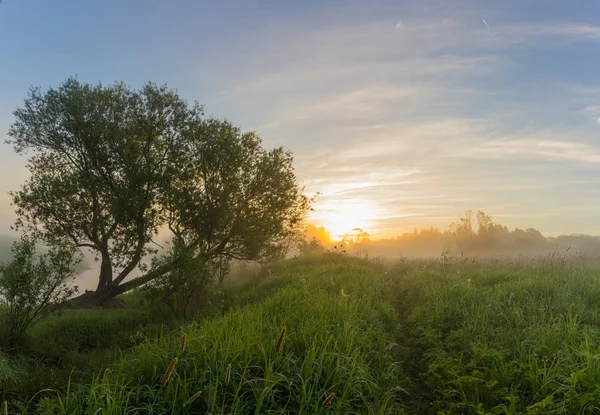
x=343 y=223
x=340 y=219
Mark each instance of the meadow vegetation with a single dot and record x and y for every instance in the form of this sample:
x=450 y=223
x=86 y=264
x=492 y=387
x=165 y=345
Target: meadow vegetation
x=332 y=333
x=327 y=330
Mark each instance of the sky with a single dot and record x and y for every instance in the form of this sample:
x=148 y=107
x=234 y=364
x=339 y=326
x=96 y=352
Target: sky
x=402 y=114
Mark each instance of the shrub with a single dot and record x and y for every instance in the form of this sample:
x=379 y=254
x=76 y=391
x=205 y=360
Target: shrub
x=181 y=293
x=84 y=331
x=33 y=286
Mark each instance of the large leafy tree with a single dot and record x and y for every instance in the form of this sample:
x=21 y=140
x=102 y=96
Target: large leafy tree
x=111 y=167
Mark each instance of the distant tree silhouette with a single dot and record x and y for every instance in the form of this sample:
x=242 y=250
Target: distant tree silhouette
x=461 y=238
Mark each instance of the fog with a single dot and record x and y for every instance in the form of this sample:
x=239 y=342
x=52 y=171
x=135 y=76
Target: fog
x=471 y=235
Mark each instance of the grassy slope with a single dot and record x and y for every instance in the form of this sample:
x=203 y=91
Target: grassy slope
x=425 y=338
x=336 y=342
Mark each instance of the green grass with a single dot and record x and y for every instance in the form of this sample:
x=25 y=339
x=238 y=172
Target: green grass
x=502 y=340
x=336 y=342
x=87 y=330
x=455 y=336
x=10 y=375
x=71 y=345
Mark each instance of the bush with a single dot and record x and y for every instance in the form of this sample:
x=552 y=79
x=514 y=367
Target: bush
x=181 y=293
x=84 y=331
x=31 y=287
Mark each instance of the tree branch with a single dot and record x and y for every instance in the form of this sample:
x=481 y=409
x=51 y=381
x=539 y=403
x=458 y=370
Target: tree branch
x=139 y=281
x=135 y=260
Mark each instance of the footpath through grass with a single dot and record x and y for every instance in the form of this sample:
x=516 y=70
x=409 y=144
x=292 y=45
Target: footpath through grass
x=437 y=337
x=501 y=339
x=334 y=356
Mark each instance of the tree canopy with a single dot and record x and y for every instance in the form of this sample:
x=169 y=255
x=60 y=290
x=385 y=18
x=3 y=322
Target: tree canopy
x=112 y=167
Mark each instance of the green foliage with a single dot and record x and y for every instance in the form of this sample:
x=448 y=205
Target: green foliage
x=336 y=342
x=110 y=166
x=83 y=331
x=454 y=336
x=66 y=347
x=31 y=287
x=10 y=376
x=496 y=339
x=314 y=246
x=181 y=292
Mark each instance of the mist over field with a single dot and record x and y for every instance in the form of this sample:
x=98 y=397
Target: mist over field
x=298 y=208
x=429 y=243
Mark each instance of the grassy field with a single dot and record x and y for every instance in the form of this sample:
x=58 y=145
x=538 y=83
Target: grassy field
x=333 y=334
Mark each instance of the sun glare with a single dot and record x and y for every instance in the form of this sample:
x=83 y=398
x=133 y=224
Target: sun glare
x=340 y=219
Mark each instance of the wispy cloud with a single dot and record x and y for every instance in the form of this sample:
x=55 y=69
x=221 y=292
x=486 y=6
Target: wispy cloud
x=411 y=112
x=570 y=31
x=427 y=111
x=536 y=149
x=593 y=112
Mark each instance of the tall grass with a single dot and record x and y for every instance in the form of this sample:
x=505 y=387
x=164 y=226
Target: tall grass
x=502 y=340
x=245 y=363
x=328 y=334
x=11 y=375
x=86 y=330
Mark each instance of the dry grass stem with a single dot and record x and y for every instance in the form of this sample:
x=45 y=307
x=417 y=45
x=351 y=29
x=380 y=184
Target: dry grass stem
x=169 y=371
x=328 y=400
x=280 y=340
x=193 y=398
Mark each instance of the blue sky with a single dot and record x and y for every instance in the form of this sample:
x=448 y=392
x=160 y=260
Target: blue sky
x=402 y=113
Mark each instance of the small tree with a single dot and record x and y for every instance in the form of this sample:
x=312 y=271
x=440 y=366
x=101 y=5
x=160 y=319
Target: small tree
x=355 y=237
x=314 y=246
x=32 y=286
x=463 y=231
x=181 y=291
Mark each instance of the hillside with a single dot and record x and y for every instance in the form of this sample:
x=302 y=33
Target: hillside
x=333 y=334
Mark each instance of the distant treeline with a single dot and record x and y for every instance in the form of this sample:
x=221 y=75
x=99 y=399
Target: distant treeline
x=472 y=235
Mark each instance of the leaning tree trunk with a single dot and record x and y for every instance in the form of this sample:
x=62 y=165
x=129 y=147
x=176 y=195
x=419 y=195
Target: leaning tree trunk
x=105 y=296
x=99 y=298
x=106 y=272
x=106 y=290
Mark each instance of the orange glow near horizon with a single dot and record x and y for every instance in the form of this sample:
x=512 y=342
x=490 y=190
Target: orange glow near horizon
x=340 y=219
